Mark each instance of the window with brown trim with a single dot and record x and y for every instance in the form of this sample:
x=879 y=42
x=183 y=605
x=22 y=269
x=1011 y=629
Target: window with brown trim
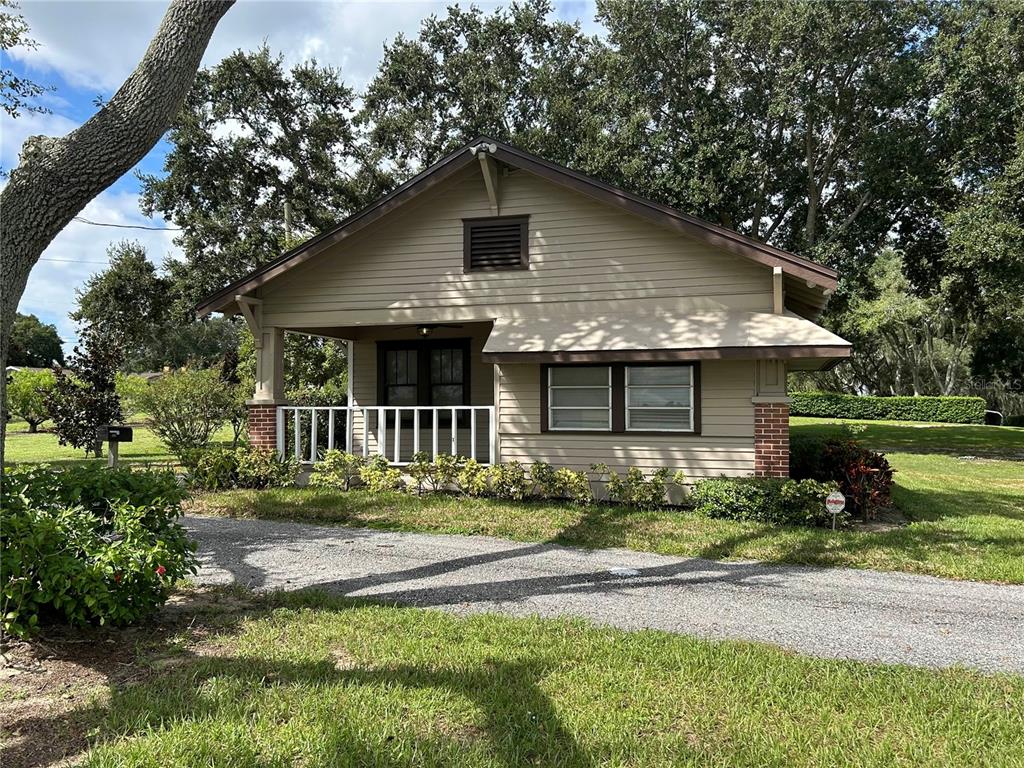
x=496 y=243
x=650 y=398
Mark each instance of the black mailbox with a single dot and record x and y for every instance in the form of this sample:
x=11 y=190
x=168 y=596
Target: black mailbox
x=114 y=434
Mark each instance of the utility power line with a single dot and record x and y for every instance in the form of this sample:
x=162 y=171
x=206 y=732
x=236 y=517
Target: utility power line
x=83 y=220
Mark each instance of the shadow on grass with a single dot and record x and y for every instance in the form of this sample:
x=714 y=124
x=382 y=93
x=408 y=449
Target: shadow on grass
x=165 y=686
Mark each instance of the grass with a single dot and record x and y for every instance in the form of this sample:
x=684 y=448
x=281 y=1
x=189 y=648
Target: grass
x=966 y=515
x=304 y=679
x=23 y=447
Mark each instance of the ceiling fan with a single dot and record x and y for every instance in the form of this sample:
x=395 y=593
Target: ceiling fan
x=425 y=329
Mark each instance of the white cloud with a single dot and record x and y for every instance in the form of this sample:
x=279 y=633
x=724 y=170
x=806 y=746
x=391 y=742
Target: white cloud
x=14 y=132
x=81 y=250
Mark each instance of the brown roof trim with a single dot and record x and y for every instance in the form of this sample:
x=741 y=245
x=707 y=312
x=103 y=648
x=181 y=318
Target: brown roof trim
x=781 y=352
x=420 y=183
x=726 y=239
x=712 y=234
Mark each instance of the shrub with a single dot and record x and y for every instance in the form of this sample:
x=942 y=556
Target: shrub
x=95 y=488
x=130 y=388
x=1014 y=421
x=952 y=410
x=472 y=478
x=445 y=470
x=509 y=481
x=573 y=484
x=864 y=476
x=64 y=561
x=545 y=484
x=337 y=470
x=83 y=396
x=186 y=408
x=634 y=490
x=28 y=394
x=765 y=500
x=242 y=467
x=421 y=470
x=379 y=476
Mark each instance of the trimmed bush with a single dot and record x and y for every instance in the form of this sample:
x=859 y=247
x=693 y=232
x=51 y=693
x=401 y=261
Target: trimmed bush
x=112 y=559
x=186 y=408
x=764 y=500
x=950 y=410
x=864 y=476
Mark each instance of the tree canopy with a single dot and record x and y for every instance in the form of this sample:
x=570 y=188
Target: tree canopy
x=34 y=344
x=885 y=139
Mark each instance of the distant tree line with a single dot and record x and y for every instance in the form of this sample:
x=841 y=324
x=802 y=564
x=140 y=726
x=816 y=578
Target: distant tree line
x=884 y=139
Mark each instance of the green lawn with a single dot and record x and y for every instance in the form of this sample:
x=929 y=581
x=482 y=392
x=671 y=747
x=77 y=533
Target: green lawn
x=966 y=515
x=307 y=680
x=42 y=447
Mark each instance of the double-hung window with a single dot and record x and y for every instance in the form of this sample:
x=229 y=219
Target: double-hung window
x=621 y=398
x=659 y=398
x=580 y=398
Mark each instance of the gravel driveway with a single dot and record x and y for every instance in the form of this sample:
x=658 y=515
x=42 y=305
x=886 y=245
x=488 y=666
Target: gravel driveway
x=830 y=612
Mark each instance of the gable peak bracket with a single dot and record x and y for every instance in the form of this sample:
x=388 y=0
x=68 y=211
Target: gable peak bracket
x=489 y=169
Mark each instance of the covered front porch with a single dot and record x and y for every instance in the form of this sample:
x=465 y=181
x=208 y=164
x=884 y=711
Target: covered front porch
x=416 y=387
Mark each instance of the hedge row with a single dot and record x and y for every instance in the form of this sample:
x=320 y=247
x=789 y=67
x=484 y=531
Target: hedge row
x=951 y=410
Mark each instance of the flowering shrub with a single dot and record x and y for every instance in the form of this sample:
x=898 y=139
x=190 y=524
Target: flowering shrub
x=111 y=559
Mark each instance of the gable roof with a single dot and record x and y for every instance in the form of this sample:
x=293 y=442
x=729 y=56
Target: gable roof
x=720 y=237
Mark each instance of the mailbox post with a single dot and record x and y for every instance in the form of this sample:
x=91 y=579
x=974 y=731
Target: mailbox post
x=114 y=435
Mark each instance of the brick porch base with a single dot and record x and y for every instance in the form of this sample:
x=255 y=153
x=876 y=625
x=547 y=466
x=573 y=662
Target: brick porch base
x=263 y=425
x=771 y=439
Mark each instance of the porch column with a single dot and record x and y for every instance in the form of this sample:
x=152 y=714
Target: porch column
x=269 y=391
x=771 y=419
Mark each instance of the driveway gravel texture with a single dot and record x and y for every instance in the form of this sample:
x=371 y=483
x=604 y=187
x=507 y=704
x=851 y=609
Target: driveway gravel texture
x=828 y=612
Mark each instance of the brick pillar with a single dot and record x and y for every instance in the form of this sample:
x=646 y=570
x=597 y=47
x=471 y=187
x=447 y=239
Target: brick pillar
x=263 y=425
x=771 y=439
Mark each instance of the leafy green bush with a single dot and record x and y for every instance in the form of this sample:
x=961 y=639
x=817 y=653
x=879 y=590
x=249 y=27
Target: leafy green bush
x=28 y=396
x=635 y=490
x=545 y=484
x=243 y=467
x=337 y=470
x=380 y=477
x=765 y=500
x=62 y=561
x=951 y=410
x=186 y=408
x=574 y=485
x=864 y=476
x=472 y=478
x=95 y=488
x=509 y=481
x=130 y=389
x=1014 y=421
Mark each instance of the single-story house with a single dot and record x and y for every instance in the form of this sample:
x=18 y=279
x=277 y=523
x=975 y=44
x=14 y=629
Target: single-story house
x=503 y=307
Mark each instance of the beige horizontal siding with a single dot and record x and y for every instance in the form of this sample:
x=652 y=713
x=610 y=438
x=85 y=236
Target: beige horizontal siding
x=724 y=447
x=582 y=253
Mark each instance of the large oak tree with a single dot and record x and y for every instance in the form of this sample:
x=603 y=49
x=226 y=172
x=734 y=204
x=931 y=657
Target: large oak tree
x=56 y=177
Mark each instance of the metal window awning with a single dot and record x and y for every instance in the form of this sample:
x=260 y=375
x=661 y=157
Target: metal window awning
x=659 y=335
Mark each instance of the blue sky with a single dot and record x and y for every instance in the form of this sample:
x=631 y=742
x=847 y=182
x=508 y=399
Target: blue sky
x=86 y=49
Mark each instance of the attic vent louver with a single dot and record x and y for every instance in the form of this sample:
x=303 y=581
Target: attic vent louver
x=496 y=243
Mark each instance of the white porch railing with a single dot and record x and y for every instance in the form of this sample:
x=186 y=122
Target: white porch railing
x=395 y=432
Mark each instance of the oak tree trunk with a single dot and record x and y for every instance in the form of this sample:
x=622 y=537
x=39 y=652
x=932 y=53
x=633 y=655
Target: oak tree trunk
x=57 y=177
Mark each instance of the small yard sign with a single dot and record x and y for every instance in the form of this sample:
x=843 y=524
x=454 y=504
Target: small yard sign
x=835 y=503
